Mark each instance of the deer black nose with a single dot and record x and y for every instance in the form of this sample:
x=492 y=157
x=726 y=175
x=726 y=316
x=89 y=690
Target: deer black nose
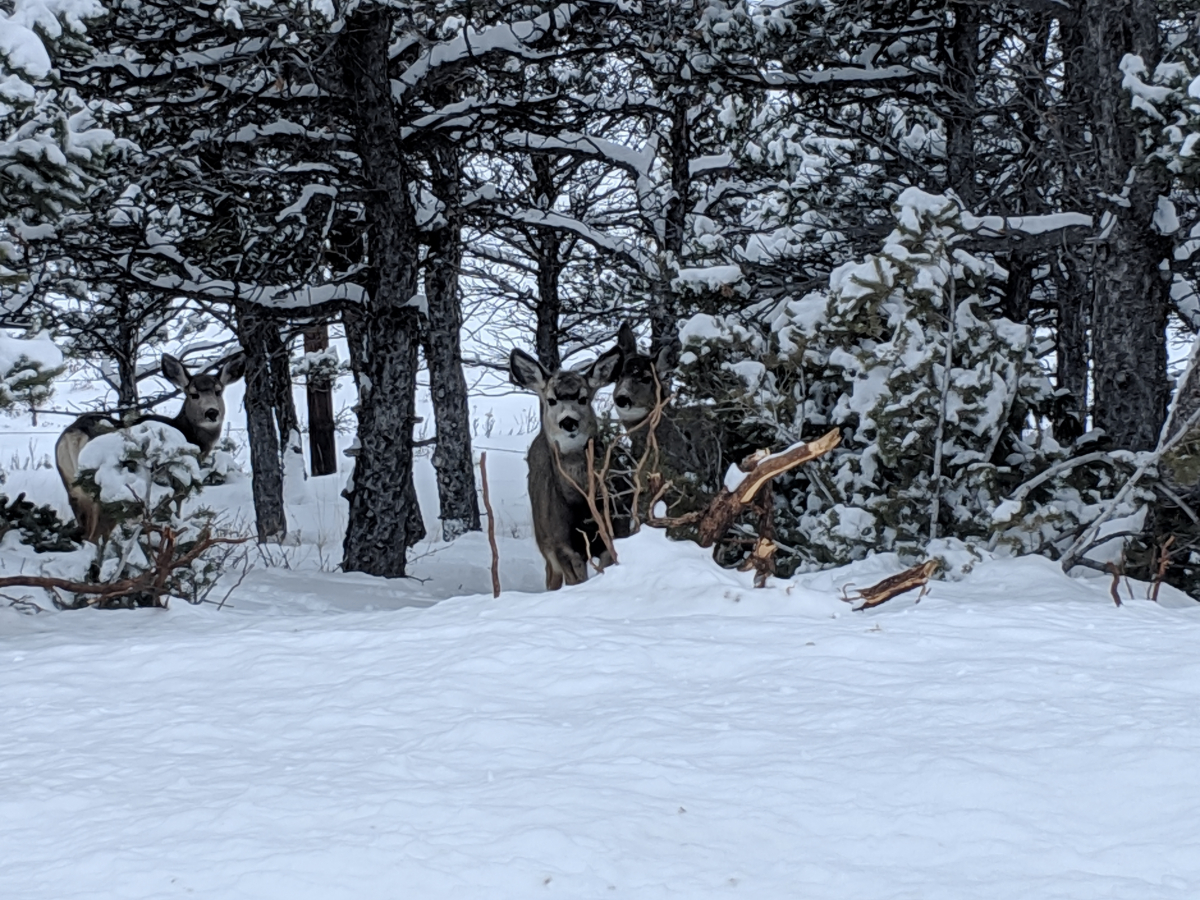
x=569 y=424
x=212 y=414
x=622 y=401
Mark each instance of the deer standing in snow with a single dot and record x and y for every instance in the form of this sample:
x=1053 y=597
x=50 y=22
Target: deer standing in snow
x=563 y=525
x=199 y=420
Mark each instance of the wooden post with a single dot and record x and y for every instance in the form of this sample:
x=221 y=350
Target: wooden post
x=322 y=441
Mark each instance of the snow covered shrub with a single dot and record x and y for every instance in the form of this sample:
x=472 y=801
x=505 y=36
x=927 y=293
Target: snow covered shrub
x=142 y=476
x=38 y=526
x=931 y=388
x=28 y=367
x=320 y=368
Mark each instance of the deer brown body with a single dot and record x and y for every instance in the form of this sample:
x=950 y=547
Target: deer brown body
x=199 y=420
x=558 y=474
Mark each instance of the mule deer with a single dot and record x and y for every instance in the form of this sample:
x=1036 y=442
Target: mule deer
x=199 y=420
x=558 y=474
x=686 y=440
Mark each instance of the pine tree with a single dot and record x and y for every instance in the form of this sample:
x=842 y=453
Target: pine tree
x=907 y=355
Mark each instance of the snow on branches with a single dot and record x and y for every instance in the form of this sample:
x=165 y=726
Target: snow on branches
x=906 y=353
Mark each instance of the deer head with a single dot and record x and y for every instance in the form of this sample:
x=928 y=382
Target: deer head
x=568 y=420
x=203 y=400
x=642 y=381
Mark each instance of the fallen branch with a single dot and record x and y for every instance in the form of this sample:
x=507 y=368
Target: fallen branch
x=893 y=586
x=487 y=505
x=726 y=506
x=153 y=581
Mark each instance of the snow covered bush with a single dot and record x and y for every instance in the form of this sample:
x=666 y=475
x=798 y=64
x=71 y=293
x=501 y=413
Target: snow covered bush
x=37 y=526
x=28 y=367
x=142 y=476
x=935 y=393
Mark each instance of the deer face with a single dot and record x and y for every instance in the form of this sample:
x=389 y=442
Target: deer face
x=643 y=380
x=568 y=419
x=203 y=400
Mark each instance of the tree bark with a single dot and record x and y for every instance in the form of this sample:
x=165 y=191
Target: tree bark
x=322 y=438
x=664 y=313
x=127 y=356
x=452 y=457
x=549 y=268
x=266 y=474
x=962 y=65
x=1129 y=313
x=384 y=520
x=1071 y=348
x=281 y=383
x=291 y=454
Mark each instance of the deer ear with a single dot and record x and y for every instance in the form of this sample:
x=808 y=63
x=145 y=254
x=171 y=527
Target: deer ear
x=233 y=369
x=175 y=372
x=667 y=359
x=605 y=369
x=627 y=340
x=527 y=372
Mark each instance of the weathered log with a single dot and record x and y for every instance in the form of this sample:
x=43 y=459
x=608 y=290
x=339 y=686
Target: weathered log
x=893 y=586
x=729 y=503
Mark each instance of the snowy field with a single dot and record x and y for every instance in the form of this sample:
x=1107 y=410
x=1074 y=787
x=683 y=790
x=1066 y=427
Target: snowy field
x=663 y=731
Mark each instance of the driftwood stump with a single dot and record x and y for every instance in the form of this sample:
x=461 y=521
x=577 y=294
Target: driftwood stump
x=760 y=469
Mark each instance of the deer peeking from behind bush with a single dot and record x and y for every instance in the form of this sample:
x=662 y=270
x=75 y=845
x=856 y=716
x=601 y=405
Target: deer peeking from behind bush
x=562 y=481
x=199 y=420
x=681 y=444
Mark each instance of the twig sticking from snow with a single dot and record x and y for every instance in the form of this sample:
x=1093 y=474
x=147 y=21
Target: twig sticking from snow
x=1164 y=563
x=491 y=531
x=1114 y=570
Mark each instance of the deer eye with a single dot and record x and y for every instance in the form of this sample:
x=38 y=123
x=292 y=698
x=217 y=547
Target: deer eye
x=550 y=401
x=193 y=396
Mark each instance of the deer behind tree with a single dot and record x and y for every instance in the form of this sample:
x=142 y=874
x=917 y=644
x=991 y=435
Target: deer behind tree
x=199 y=420
x=566 y=533
x=685 y=442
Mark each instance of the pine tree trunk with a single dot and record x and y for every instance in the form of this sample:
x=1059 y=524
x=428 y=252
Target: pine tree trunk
x=281 y=383
x=549 y=306
x=452 y=457
x=127 y=356
x=384 y=520
x=962 y=64
x=1071 y=348
x=1129 y=314
x=291 y=452
x=254 y=330
x=664 y=312
x=549 y=270
x=322 y=437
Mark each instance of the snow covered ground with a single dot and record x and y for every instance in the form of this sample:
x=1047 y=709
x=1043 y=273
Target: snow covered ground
x=663 y=731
